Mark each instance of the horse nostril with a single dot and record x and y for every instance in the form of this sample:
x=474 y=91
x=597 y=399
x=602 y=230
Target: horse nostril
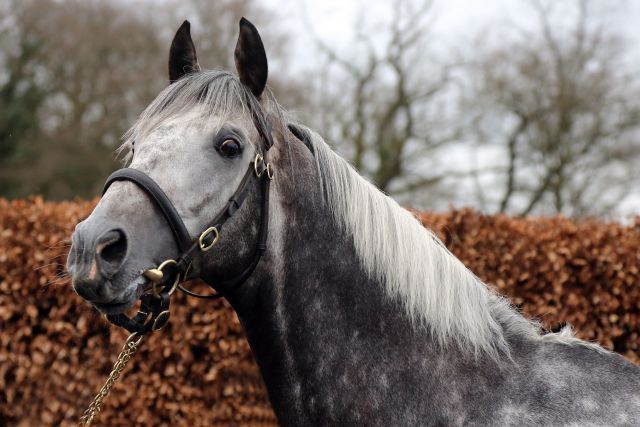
x=111 y=250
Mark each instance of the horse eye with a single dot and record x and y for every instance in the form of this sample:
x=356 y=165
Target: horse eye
x=229 y=148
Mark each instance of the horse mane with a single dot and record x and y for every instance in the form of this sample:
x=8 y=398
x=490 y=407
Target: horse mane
x=437 y=291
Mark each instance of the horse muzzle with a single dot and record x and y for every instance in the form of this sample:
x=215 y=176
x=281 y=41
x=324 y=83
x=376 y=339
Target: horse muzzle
x=95 y=260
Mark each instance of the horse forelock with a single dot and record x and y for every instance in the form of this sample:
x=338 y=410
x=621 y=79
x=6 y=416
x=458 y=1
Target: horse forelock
x=220 y=93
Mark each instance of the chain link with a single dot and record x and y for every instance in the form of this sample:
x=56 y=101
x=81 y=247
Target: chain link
x=128 y=351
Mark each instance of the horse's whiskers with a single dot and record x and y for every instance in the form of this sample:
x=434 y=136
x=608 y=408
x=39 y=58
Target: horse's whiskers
x=61 y=244
x=61 y=276
x=56 y=264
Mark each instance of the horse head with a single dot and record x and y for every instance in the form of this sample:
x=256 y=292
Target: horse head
x=197 y=155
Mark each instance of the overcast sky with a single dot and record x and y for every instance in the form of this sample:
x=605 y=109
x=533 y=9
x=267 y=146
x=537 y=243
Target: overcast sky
x=457 y=24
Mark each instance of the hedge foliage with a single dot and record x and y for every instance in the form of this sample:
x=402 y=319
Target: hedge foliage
x=55 y=351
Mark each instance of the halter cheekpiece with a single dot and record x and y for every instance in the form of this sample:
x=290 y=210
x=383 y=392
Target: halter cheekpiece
x=169 y=275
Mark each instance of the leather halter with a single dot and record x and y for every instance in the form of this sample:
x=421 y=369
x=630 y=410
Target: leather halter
x=154 y=307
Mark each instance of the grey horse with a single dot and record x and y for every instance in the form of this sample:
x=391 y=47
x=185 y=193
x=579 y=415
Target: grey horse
x=356 y=314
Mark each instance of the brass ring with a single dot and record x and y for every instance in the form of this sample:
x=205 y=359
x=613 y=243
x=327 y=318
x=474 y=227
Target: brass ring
x=269 y=171
x=163 y=317
x=204 y=247
x=132 y=337
x=175 y=284
x=160 y=268
x=167 y=262
x=177 y=280
x=258 y=159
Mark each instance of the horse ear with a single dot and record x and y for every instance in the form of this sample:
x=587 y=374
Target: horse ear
x=182 y=55
x=251 y=59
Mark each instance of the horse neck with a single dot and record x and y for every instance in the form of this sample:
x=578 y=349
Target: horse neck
x=318 y=326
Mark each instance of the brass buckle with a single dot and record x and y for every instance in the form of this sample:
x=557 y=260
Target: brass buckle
x=203 y=246
x=269 y=171
x=256 y=160
x=267 y=168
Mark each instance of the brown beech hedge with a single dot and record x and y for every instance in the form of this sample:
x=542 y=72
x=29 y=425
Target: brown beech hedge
x=55 y=351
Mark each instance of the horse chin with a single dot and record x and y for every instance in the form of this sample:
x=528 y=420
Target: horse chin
x=123 y=302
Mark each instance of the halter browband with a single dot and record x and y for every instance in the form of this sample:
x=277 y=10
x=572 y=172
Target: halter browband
x=154 y=307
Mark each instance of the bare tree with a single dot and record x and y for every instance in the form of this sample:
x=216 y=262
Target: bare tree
x=20 y=98
x=95 y=65
x=380 y=103
x=563 y=105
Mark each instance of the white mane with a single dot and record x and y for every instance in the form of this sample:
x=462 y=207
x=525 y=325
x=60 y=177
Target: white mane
x=436 y=289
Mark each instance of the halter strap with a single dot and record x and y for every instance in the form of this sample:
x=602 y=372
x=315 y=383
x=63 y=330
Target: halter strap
x=154 y=310
x=159 y=197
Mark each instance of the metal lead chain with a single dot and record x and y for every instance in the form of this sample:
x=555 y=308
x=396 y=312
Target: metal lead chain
x=127 y=353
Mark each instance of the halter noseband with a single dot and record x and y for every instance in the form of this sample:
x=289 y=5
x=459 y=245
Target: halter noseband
x=169 y=275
